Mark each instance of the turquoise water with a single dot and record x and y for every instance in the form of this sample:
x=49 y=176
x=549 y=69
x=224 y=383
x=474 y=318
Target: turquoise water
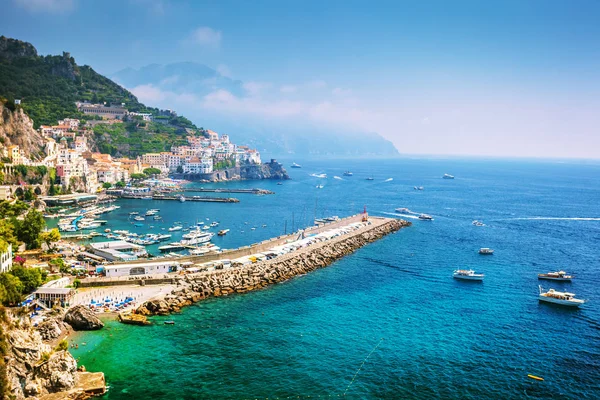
x=388 y=321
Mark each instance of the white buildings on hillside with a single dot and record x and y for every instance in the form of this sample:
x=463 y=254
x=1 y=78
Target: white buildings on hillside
x=6 y=259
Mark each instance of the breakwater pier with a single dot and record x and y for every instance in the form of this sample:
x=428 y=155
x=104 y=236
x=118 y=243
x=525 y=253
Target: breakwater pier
x=204 y=199
x=243 y=191
x=195 y=286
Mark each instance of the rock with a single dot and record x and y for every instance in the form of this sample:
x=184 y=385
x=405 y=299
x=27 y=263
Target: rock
x=51 y=329
x=82 y=318
x=31 y=389
x=59 y=371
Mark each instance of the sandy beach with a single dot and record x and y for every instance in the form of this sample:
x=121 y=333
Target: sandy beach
x=140 y=294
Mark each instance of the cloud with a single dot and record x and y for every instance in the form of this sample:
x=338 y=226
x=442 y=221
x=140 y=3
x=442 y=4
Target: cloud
x=341 y=92
x=224 y=70
x=52 y=6
x=206 y=37
x=288 y=89
x=256 y=88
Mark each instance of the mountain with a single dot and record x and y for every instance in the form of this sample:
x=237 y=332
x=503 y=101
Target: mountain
x=193 y=81
x=48 y=87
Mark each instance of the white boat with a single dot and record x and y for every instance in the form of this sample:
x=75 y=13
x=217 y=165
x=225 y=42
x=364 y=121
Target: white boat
x=556 y=276
x=562 y=298
x=348 y=173
x=206 y=227
x=403 y=210
x=426 y=217
x=478 y=223
x=223 y=232
x=151 y=212
x=163 y=237
x=214 y=223
x=182 y=199
x=294 y=165
x=467 y=275
x=319 y=186
x=486 y=251
x=138 y=218
x=198 y=239
x=448 y=176
x=195 y=233
x=134 y=213
x=175 y=228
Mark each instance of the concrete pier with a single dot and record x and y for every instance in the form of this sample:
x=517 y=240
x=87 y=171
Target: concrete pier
x=221 y=190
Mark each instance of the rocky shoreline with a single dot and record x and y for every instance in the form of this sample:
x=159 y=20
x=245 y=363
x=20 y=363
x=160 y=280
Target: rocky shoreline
x=195 y=287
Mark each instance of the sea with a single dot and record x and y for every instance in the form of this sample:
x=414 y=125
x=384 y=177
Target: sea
x=388 y=321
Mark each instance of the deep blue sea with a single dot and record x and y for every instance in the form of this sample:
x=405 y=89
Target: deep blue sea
x=388 y=321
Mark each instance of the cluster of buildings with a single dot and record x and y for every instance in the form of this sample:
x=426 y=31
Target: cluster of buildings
x=201 y=154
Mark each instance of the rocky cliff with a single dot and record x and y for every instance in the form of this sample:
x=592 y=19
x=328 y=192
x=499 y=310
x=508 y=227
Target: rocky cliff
x=16 y=128
x=270 y=170
x=193 y=288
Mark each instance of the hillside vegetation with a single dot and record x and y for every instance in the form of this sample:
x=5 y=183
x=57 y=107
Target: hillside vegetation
x=49 y=86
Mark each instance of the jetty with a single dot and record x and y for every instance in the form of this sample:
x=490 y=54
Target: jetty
x=205 y=199
x=221 y=190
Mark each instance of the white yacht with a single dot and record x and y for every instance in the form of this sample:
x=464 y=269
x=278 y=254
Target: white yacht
x=139 y=218
x=448 y=176
x=486 y=251
x=478 y=223
x=294 y=165
x=556 y=276
x=175 y=228
x=203 y=237
x=562 y=298
x=403 y=210
x=467 y=274
x=426 y=217
x=194 y=233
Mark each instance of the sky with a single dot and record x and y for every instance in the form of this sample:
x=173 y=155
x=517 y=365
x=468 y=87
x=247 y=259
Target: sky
x=510 y=78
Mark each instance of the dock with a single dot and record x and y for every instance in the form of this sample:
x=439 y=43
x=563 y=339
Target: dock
x=220 y=190
x=205 y=199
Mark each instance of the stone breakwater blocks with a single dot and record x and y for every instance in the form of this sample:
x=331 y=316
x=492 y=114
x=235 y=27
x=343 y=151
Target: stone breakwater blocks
x=257 y=276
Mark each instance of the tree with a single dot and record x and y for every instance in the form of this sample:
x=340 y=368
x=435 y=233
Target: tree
x=28 y=196
x=120 y=184
x=138 y=176
x=76 y=283
x=180 y=169
x=50 y=237
x=29 y=229
x=10 y=289
x=31 y=278
x=152 y=171
x=7 y=234
x=56 y=264
x=106 y=185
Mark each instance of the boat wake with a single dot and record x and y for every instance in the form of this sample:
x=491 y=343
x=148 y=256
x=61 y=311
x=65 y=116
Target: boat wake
x=337 y=177
x=554 y=219
x=389 y=179
x=400 y=215
x=319 y=175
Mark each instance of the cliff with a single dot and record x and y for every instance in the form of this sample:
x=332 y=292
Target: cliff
x=270 y=170
x=16 y=128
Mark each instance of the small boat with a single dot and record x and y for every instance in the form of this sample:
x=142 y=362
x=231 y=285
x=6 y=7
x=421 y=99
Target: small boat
x=157 y=217
x=294 y=165
x=138 y=218
x=169 y=322
x=486 y=251
x=215 y=223
x=467 y=275
x=556 y=276
x=134 y=213
x=537 y=378
x=279 y=183
x=560 y=298
x=478 y=223
x=206 y=227
x=175 y=228
x=370 y=178
x=403 y=210
x=419 y=187
x=348 y=173
x=319 y=186
x=182 y=199
x=426 y=217
x=223 y=232
x=448 y=176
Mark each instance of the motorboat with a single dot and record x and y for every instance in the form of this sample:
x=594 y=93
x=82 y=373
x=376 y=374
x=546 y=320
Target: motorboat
x=319 y=186
x=448 y=176
x=175 y=228
x=195 y=233
x=478 y=223
x=198 y=239
x=294 y=165
x=223 y=232
x=332 y=219
x=139 y=218
x=419 y=188
x=556 y=276
x=426 y=217
x=163 y=237
x=215 y=223
x=561 y=298
x=134 y=213
x=370 y=178
x=206 y=227
x=403 y=210
x=157 y=217
x=182 y=199
x=467 y=275
x=486 y=251
x=348 y=173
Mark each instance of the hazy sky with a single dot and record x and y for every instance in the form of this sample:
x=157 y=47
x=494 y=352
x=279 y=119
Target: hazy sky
x=514 y=78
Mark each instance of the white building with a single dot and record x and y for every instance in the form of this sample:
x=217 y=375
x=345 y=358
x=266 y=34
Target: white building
x=198 y=166
x=6 y=260
x=147 y=268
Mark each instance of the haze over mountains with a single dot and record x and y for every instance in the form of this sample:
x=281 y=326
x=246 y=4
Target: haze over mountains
x=246 y=112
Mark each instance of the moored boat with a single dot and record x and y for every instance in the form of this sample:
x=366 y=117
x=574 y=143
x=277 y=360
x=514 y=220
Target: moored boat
x=448 y=176
x=560 y=298
x=223 y=232
x=486 y=251
x=556 y=276
x=467 y=275
x=348 y=173
x=426 y=217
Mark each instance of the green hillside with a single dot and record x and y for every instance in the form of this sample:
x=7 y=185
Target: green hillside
x=49 y=86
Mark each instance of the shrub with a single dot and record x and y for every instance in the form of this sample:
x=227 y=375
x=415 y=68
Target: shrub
x=63 y=345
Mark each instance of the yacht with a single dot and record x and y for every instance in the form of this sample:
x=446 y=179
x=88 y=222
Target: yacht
x=448 y=176
x=151 y=212
x=206 y=227
x=294 y=165
x=486 y=251
x=175 y=228
x=403 y=210
x=134 y=213
x=556 y=276
x=467 y=274
x=419 y=187
x=157 y=217
x=426 y=217
x=194 y=233
x=370 y=178
x=319 y=186
x=163 y=237
x=215 y=223
x=138 y=218
x=348 y=173
x=203 y=237
x=562 y=298
x=223 y=232
x=478 y=223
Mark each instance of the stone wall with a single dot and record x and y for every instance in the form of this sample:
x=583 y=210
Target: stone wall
x=195 y=287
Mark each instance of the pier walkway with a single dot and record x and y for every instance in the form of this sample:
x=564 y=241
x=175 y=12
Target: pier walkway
x=247 y=191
